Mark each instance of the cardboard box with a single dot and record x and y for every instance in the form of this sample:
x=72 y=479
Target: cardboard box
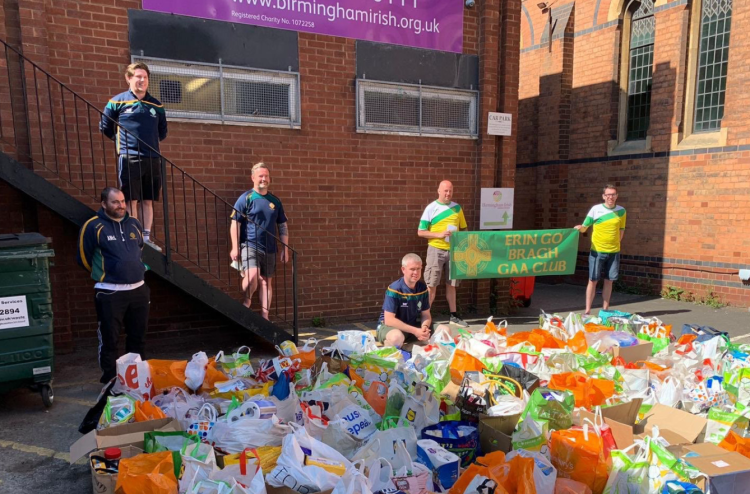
x=676 y=426
x=105 y=483
x=634 y=353
x=122 y=435
x=624 y=413
x=728 y=472
x=492 y=439
x=506 y=425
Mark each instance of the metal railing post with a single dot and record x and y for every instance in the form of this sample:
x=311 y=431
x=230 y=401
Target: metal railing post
x=295 y=320
x=165 y=200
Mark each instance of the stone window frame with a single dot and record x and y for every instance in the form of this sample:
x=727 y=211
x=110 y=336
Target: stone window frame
x=687 y=138
x=621 y=146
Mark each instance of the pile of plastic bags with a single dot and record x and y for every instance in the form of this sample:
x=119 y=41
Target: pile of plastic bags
x=358 y=418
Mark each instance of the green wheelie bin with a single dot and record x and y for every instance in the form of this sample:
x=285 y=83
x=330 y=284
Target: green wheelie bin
x=26 y=351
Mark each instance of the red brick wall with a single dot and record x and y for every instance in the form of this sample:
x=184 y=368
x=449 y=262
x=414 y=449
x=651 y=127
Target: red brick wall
x=353 y=200
x=687 y=212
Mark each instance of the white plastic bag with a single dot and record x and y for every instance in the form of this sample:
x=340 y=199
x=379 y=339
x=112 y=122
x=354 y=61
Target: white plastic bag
x=379 y=475
x=288 y=411
x=195 y=371
x=670 y=392
x=421 y=408
x=545 y=474
x=134 y=375
x=336 y=435
x=234 y=437
x=354 y=341
x=177 y=403
x=353 y=482
x=409 y=476
x=291 y=471
x=382 y=443
x=247 y=475
x=202 y=421
x=198 y=463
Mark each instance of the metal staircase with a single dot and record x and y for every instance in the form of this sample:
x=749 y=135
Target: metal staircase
x=51 y=150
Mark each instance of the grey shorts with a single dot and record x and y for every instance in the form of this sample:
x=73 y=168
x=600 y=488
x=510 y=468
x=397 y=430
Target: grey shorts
x=252 y=258
x=438 y=260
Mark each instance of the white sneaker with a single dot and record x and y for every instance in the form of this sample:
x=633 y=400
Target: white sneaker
x=153 y=245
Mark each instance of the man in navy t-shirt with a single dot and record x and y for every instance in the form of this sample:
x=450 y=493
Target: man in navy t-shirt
x=256 y=216
x=406 y=315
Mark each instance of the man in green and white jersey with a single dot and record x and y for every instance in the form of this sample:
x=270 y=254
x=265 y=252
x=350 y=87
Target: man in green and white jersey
x=608 y=220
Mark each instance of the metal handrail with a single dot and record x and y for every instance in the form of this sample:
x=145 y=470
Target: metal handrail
x=41 y=136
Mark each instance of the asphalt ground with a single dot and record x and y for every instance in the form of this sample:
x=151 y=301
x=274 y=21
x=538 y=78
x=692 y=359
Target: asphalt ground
x=34 y=441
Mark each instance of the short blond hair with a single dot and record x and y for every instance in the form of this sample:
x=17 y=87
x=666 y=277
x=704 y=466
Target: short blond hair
x=410 y=258
x=258 y=166
x=130 y=69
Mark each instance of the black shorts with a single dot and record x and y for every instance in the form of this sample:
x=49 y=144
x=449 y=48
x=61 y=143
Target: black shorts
x=140 y=178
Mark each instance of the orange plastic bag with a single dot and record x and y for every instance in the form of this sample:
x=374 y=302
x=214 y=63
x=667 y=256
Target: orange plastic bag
x=588 y=391
x=147 y=411
x=213 y=376
x=537 y=337
x=735 y=442
x=476 y=478
x=516 y=476
x=306 y=359
x=490 y=328
x=463 y=362
x=578 y=343
x=579 y=455
x=568 y=486
x=168 y=374
x=595 y=328
x=147 y=474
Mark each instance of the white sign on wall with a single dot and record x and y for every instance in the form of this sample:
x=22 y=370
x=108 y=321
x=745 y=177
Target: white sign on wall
x=499 y=124
x=13 y=313
x=496 y=212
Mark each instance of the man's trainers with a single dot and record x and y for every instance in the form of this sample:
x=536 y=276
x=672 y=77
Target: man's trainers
x=459 y=322
x=153 y=245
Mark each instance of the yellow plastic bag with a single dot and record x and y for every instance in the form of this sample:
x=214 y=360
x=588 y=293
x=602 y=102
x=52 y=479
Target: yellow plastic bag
x=147 y=474
x=243 y=395
x=266 y=455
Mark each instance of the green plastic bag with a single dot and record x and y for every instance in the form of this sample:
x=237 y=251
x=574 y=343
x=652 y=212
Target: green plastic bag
x=176 y=442
x=235 y=365
x=553 y=406
x=659 y=343
x=118 y=410
x=720 y=422
x=438 y=376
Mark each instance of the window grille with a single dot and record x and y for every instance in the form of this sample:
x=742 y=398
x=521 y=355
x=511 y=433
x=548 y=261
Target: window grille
x=716 y=20
x=225 y=93
x=640 y=72
x=388 y=107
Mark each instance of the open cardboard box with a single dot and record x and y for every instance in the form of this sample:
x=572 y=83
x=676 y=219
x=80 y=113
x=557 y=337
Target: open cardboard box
x=105 y=483
x=630 y=354
x=121 y=435
x=676 y=426
x=492 y=438
x=727 y=472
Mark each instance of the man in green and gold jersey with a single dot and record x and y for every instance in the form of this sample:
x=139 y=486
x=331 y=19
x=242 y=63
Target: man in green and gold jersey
x=608 y=220
x=439 y=220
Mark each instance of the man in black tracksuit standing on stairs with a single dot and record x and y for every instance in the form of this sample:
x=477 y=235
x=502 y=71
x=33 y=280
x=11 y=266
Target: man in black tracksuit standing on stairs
x=110 y=246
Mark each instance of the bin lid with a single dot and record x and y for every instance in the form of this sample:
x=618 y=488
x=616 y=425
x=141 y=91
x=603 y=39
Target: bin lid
x=15 y=240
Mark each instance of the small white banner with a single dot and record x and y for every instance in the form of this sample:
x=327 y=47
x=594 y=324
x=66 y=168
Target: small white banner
x=496 y=212
x=13 y=313
x=499 y=124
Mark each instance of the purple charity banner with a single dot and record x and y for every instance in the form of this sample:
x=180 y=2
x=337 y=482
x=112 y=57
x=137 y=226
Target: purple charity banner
x=431 y=24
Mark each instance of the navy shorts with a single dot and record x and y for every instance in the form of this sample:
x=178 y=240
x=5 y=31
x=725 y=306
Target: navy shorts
x=604 y=265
